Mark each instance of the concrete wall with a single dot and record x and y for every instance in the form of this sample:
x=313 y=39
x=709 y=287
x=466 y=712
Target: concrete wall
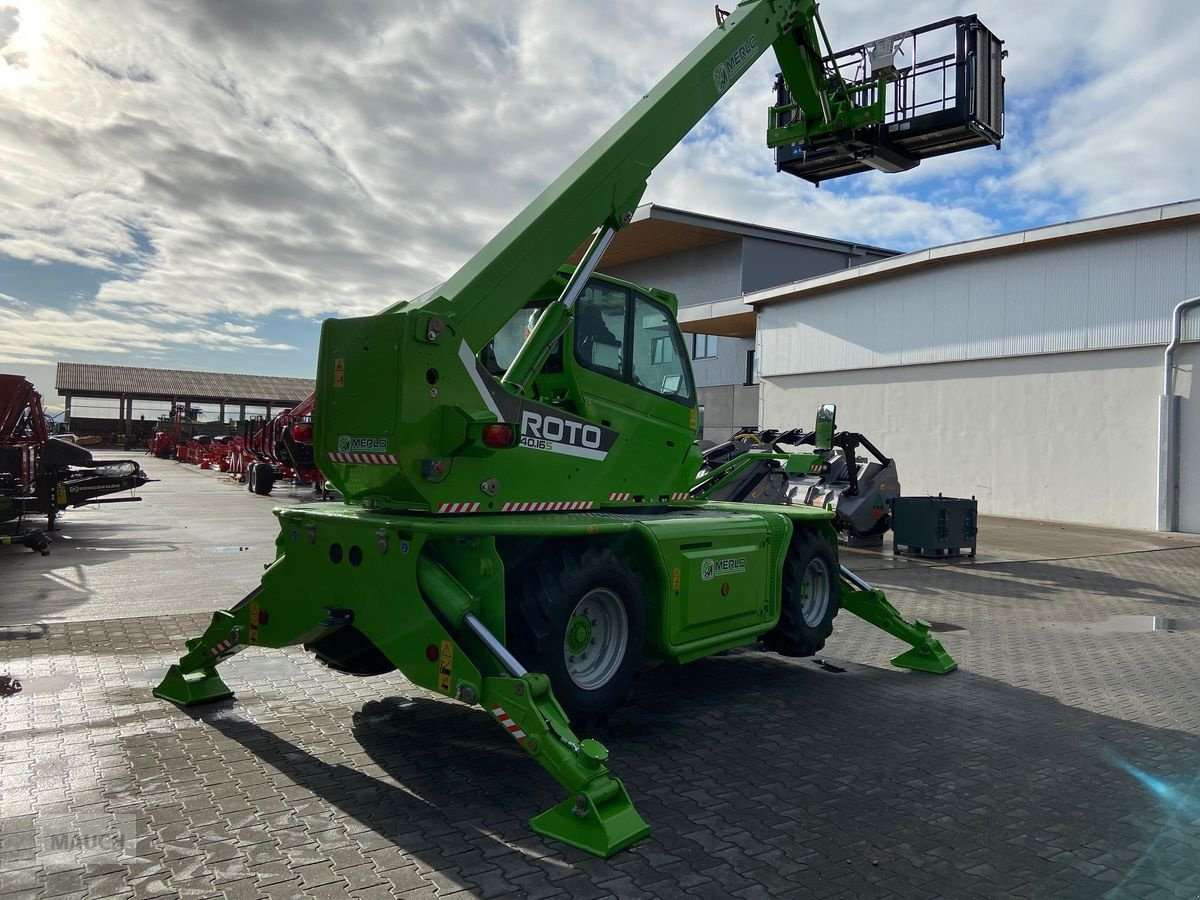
x=728 y=367
x=727 y=407
x=700 y=275
x=1110 y=291
x=766 y=263
x=1066 y=437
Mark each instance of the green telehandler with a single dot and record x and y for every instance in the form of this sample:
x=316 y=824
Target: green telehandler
x=516 y=448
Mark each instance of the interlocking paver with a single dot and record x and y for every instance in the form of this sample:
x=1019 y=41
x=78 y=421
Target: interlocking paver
x=1060 y=760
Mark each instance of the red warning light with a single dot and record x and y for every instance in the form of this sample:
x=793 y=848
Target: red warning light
x=431 y=653
x=498 y=435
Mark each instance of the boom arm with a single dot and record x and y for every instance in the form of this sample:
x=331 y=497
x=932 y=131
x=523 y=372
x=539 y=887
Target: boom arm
x=604 y=186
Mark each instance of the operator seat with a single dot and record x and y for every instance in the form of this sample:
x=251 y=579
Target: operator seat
x=593 y=333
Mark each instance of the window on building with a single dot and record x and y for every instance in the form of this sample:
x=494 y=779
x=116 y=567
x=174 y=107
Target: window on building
x=704 y=346
x=751 y=368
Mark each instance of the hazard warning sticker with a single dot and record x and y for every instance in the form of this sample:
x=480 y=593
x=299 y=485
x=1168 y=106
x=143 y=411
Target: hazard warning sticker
x=445 y=666
x=509 y=725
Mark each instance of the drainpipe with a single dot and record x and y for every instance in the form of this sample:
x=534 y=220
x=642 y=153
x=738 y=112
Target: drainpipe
x=1168 y=427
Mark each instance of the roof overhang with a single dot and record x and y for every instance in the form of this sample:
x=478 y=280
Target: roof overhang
x=660 y=230
x=1174 y=214
x=728 y=318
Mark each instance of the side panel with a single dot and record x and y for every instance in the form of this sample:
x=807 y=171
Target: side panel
x=723 y=581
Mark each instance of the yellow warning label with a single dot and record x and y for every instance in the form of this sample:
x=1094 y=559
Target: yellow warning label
x=675 y=579
x=339 y=372
x=253 y=621
x=445 y=666
x=692 y=420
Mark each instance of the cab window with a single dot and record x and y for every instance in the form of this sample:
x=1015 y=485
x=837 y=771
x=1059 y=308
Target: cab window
x=658 y=352
x=631 y=338
x=600 y=328
x=500 y=352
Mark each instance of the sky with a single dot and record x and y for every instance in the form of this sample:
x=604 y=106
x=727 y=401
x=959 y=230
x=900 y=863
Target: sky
x=198 y=184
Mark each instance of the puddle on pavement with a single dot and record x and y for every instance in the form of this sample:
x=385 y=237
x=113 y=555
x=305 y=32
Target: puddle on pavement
x=45 y=685
x=227 y=549
x=1132 y=625
x=24 y=632
x=947 y=628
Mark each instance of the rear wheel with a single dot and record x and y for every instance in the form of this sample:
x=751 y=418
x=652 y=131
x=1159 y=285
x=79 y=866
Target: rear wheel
x=811 y=597
x=579 y=616
x=265 y=481
x=260 y=479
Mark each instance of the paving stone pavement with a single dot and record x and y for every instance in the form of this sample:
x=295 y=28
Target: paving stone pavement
x=1061 y=760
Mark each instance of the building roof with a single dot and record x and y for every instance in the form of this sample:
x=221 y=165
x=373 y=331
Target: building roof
x=657 y=230
x=1151 y=217
x=86 y=380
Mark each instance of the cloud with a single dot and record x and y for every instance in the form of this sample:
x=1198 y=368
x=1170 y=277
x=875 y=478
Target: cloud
x=216 y=160
x=30 y=336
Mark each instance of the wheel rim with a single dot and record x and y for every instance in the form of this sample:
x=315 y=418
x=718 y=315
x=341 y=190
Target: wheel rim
x=814 y=600
x=594 y=645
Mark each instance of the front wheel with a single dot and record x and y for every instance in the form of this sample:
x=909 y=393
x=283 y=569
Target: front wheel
x=579 y=616
x=811 y=597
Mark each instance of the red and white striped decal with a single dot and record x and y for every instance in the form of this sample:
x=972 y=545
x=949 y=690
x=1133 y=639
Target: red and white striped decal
x=224 y=646
x=513 y=728
x=621 y=496
x=458 y=507
x=367 y=459
x=546 y=506
x=681 y=495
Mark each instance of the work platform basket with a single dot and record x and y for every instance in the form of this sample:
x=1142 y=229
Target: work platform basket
x=942 y=90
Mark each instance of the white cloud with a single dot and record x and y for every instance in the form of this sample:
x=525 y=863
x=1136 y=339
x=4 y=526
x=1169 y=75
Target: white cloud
x=32 y=335
x=235 y=160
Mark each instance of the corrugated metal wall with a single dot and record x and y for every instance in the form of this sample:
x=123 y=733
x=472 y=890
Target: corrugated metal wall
x=1101 y=293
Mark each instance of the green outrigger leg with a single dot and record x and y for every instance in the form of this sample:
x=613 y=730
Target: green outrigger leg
x=868 y=603
x=597 y=814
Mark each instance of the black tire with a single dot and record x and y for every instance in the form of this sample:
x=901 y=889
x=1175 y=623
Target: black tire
x=798 y=634
x=250 y=470
x=265 y=481
x=543 y=595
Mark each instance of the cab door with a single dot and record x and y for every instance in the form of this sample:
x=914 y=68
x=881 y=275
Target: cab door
x=629 y=366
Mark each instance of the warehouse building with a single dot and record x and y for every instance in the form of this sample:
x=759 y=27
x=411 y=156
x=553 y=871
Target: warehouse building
x=137 y=389
x=1026 y=369
x=708 y=261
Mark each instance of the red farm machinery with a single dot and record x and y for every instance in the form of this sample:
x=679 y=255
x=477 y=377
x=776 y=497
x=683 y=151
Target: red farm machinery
x=276 y=449
x=41 y=473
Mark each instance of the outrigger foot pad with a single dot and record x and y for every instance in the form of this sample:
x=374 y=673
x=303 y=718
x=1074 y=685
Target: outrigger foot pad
x=927 y=657
x=927 y=653
x=602 y=828
x=201 y=686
